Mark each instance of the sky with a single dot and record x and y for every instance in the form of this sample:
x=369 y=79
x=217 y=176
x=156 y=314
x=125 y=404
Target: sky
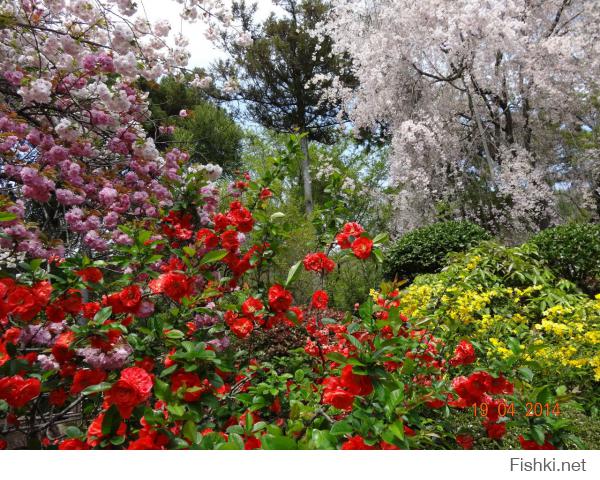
x=201 y=49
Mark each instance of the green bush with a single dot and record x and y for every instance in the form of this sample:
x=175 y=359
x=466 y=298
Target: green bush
x=520 y=314
x=573 y=252
x=424 y=250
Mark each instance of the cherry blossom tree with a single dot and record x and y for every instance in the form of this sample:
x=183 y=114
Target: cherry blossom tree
x=474 y=94
x=75 y=160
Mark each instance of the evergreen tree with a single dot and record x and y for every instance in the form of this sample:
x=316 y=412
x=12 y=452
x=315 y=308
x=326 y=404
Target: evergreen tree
x=280 y=72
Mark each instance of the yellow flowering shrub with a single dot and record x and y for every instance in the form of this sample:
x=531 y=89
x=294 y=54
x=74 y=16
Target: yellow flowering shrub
x=517 y=310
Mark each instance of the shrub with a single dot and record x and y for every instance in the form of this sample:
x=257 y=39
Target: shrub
x=573 y=252
x=424 y=250
x=518 y=312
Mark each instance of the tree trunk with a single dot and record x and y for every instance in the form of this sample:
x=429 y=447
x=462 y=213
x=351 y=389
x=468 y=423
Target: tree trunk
x=308 y=198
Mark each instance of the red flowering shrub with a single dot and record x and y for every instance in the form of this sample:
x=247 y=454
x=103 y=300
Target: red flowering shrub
x=184 y=349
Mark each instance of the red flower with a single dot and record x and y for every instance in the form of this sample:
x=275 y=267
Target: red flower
x=174 y=285
x=464 y=354
x=361 y=247
x=280 y=299
x=4 y=357
x=207 y=238
x=58 y=397
x=334 y=394
x=147 y=363
x=18 y=391
x=221 y=222
x=319 y=300
x=349 y=233
x=240 y=217
x=356 y=443
x=149 y=439
x=73 y=444
x=265 y=193
x=473 y=388
x=132 y=388
x=252 y=443
x=297 y=312
x=131 y=297
x=242 y=327
x=495 y=431
x=230 y=240
x=465 y=441
x=501 y=385
x=71 y=302
x=356 y=384
x=318 y=262
x=178 y=225
x=86 y=378
x=191 y=384
x=94 y=432
x=387 y=446
x=114 y=302
x=532 y=445
x=252 y=305
x=90 y=274
x=62 y=347
x=55 y=313
x=22 y=303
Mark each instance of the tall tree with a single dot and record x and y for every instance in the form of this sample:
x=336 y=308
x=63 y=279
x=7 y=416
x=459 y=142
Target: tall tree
x=278 y=69
x=474 y=94
x=204 y=130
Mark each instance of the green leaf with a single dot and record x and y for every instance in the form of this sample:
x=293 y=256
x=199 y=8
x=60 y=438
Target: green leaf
x=7 y=216
x=189 y=251
x=101 y=387
x=397 y=396
x=277 y=442
x=214 y=256
x=143 y=236
x=293 y=273
x=120 y=440
x=111 y=421
x=366 y=310
x=538 y=434
x=354 y=341
x=378 y=254
x=381 y=238
x=341 y=428
x=337 y=358
x=175 y=334
x=177 y=410
x=103 y=315
x=526 y=373
x=544 y=395
x=397 y=429
x=73 y=432
x=190 y=431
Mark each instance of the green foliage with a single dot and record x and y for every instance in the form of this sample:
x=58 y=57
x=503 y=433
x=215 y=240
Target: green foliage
x=424 y=250
x=350 y=283
x=208 y=133
x=517 y=311
x=274 y=72
x=573 y=252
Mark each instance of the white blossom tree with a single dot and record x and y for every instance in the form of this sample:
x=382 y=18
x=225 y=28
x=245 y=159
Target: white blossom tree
x=475 y=94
